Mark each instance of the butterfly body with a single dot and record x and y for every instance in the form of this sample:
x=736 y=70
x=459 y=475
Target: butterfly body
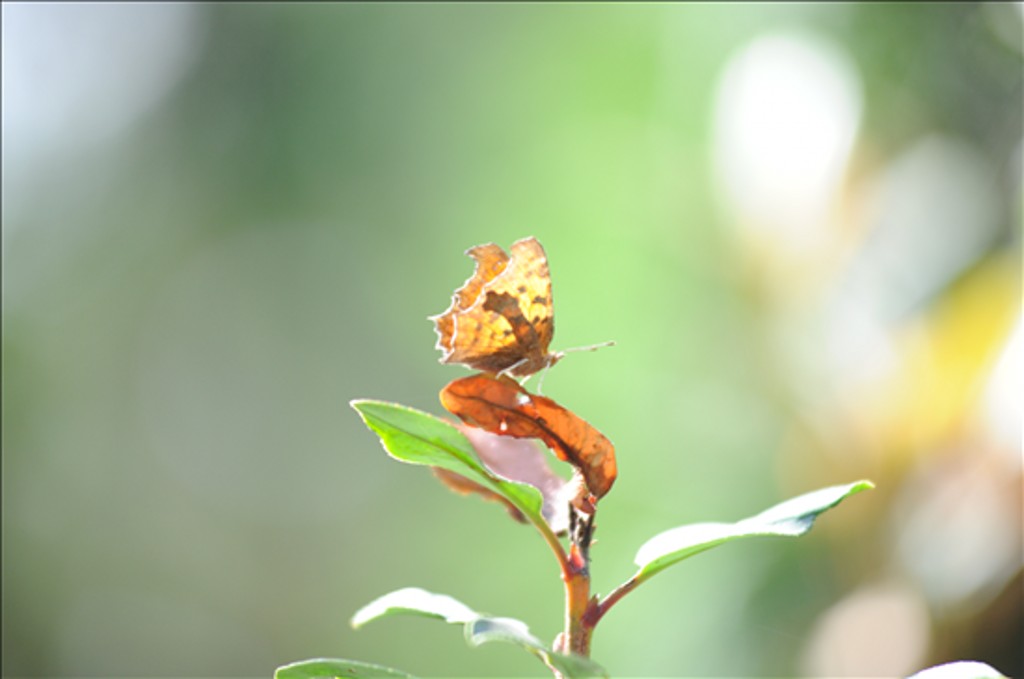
x=501 y=320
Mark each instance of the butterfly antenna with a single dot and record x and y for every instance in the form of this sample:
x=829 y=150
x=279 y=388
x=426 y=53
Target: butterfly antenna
x=591 y=347
x=559 y=355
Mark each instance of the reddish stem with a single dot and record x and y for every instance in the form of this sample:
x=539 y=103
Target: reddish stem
x=598 y=610
x=576 y=638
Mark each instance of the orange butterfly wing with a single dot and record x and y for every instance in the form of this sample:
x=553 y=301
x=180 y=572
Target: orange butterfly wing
x=502 y=317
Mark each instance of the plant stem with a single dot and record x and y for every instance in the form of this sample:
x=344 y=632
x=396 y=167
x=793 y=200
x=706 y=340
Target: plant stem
x=597 y=611
x=577 y=633
x=581 y=610
x=555 y=545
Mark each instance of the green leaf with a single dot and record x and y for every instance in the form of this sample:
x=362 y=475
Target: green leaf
x=964 y=669
x=485 y=630
x=416 y=437
x=414 y=601
x=318 y=668
x=479 y=629
x=788 y=519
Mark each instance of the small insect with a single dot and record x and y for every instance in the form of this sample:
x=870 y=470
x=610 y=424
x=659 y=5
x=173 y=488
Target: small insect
x=501 y=320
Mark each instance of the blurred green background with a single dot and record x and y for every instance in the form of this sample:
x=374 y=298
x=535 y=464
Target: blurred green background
x=221 y=222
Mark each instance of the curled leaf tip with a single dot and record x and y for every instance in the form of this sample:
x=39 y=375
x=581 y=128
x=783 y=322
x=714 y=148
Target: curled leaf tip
x=503 y=407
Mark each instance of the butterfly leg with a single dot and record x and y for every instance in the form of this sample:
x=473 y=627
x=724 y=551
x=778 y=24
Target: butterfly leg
x=552 y=359
x=508 y=370
x=540 y=382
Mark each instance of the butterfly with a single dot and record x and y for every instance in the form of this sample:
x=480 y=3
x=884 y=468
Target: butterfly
x=501 y=320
